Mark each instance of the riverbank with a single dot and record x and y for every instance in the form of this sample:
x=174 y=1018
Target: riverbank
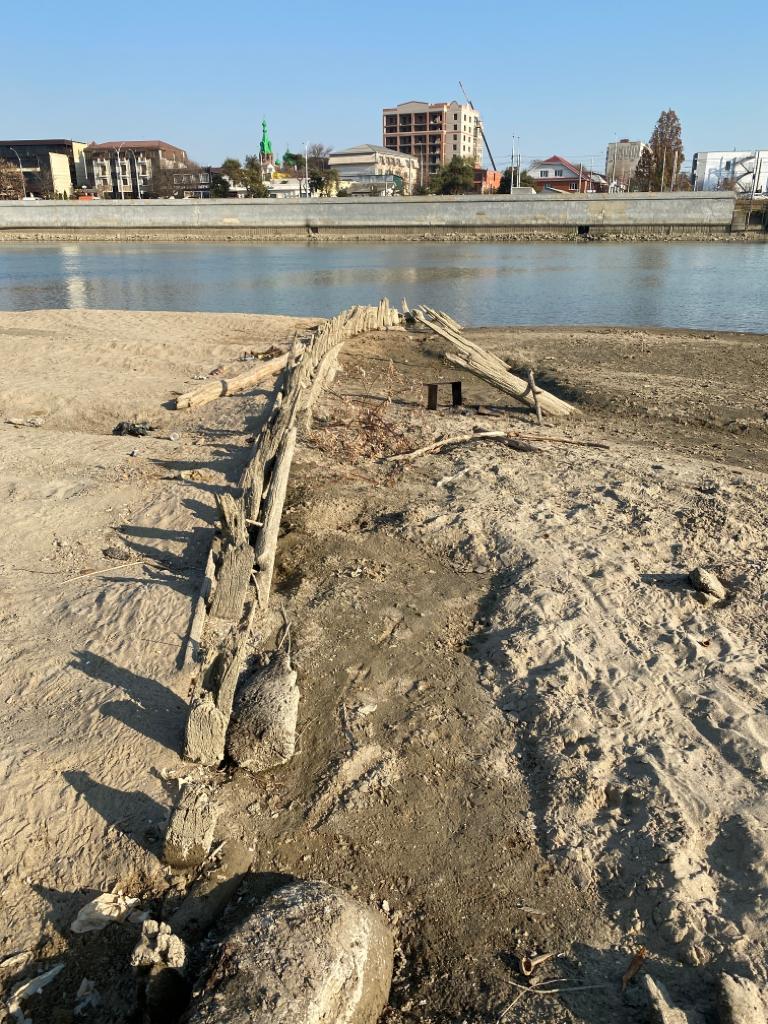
x=520 y=729
x=546 y=216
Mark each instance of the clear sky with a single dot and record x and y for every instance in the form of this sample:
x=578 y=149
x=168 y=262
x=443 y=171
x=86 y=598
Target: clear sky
x=563 y=78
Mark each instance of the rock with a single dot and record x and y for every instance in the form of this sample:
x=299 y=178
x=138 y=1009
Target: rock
x=740 y=1001
x=662 y=1010
x=206 y=732
x=309 y=953
x=707 y=583
x=158 y=945
x=262 y=730
x=190 y=830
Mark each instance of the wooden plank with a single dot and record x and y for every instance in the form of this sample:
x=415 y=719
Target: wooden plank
x=232 y=581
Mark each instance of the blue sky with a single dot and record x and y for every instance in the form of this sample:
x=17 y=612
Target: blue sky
x=202 y=76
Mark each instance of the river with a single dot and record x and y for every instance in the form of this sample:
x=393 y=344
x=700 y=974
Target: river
x=707 y=286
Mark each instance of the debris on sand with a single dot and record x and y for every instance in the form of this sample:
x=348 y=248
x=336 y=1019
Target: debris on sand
x=30 y=988
x=132 y=429
x=105 y=909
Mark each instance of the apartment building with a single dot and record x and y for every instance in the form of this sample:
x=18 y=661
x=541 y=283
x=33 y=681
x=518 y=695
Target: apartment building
x=133 y=170
x=621 y=160
x=50 y=166
x=434 y=133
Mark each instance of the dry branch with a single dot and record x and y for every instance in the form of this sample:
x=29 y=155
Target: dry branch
x=521 y=442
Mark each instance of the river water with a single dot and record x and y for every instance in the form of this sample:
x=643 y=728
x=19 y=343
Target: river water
x=707 y=286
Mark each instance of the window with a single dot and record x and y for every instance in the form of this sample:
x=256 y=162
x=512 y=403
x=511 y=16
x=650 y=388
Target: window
x=558 y=174
x=543 y=174
x=573 y=186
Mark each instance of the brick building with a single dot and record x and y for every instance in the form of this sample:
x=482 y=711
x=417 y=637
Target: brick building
x=556 y=174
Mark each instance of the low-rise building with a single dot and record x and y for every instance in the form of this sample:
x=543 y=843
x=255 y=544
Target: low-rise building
x=125 y=169
x=51 y=167
x=743 y=171
x=621 y=160
x=486 y=180
x=375 y=166
x=434 y=133
x=556 y=174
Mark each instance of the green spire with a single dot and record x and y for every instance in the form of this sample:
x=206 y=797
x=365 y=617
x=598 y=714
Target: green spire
x=266 y=143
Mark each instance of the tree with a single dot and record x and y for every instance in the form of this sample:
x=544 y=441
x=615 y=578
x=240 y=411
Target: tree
x=168 y=182
x=11 y=181
x=247 y=175
x=660 y=163
x=526 y=181
x=219 y=187
x=454 y=178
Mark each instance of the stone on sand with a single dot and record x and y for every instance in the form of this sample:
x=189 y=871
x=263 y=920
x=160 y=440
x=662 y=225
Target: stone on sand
x=308 y=953
x=707 y=583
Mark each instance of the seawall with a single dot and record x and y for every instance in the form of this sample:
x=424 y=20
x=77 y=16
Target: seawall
x=637 y=216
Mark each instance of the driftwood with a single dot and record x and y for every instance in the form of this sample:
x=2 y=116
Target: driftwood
x=477 y=360
x=231 y=385
x=262 y=732
x=520 y=442
x=206 y=732
x=232 y=581
x=266 y=542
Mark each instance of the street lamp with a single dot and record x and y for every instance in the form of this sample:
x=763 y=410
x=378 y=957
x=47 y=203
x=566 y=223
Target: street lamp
x=21 y=168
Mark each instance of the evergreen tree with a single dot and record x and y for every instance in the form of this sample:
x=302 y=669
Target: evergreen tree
x=660 y=163
x=526 y=181
x=454 y=178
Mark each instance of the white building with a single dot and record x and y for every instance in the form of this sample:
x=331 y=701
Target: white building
x=739 y=170
x=621 y=160
x=375 y=166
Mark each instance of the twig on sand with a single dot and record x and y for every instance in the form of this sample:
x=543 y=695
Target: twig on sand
x=107 y=568
x=537 y=990
x=491 y=435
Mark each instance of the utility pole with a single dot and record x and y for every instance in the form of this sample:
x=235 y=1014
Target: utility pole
x=21 y=170
x=663 y=170
x=512 y=167
x=306 y=167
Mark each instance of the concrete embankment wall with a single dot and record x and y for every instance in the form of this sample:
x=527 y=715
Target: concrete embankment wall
x=636 y=216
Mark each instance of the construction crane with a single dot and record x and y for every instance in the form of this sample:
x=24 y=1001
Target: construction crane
x=482 y=132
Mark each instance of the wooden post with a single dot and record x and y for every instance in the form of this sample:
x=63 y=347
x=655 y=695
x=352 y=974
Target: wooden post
x=535 y=393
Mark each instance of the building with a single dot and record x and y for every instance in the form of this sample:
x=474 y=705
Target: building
x=556 y=174
x=486 y=180
x=434 y=133
x=382 y=169
x=735 y=170
x=286 y=188
x=621 y=160
x=192 y=183
x=50 y=167
x=134 y=170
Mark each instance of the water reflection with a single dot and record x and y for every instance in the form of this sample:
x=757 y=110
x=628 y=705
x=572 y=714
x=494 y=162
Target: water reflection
x=701 y=285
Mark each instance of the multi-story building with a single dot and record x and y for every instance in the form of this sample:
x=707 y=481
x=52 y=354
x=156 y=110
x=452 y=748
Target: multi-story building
x=434 y=133
x=737 y=170
x=621 y=160
x=50 y=167
x=375 y=166
x=133 y=170
x=556 y=174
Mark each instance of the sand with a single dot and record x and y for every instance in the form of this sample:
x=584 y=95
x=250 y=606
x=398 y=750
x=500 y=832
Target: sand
x=521 y=729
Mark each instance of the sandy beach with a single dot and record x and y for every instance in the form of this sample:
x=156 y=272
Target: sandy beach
x=521 y=728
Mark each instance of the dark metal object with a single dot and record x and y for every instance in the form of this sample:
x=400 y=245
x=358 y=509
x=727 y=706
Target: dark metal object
x=432 y=390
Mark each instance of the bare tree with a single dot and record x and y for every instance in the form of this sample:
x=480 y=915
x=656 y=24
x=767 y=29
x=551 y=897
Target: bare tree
x=11 y=181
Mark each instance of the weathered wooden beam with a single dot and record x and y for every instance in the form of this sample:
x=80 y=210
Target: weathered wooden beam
x=232 y=385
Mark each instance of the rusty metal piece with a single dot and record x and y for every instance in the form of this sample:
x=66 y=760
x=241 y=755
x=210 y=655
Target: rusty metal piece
x=528 y=964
